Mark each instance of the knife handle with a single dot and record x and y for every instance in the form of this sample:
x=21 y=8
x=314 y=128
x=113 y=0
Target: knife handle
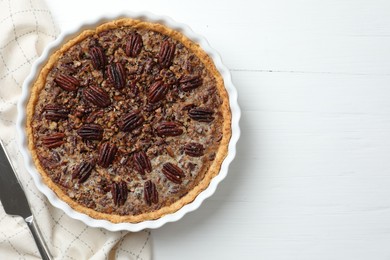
x=42 y=247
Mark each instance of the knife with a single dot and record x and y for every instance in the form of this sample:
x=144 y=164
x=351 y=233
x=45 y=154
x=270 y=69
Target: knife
x=15 y=202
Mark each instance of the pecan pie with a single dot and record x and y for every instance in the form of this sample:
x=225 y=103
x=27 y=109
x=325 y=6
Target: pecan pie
x=129 y=121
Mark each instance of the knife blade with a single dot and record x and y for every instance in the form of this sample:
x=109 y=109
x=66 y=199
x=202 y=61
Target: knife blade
x=15 y=202
x=12 y=195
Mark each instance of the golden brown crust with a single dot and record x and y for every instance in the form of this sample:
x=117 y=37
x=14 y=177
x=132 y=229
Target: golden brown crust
x=220 y=155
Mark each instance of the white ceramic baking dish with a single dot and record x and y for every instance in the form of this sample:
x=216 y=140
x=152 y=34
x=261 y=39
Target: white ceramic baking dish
x=52 y=197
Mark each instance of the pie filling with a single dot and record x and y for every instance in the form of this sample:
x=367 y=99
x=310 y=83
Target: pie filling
x=128 y=121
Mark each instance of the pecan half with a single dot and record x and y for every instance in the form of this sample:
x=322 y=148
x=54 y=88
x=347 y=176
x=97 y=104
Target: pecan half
x=119 y=193
x=166 y=54
x=55 y=112
x=99 y=59
x=67 y=82
x=201 y=114
x=194 y=149
x=173 y=173
x=169 y=129
x=97 y=96
x=150 y=193
x=134 y=45
x=157 y=91
x=190 y=82
x=91 y=132
x=117 y=75
x=142 y=162
x=53 y=140
x=83 y=171
x=107 y=153
x=130 y=121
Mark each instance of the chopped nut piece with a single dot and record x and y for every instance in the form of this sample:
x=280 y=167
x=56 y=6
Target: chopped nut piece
x=170 y=151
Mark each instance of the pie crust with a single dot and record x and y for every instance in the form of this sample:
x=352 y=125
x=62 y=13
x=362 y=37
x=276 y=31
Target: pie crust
x=56 y=173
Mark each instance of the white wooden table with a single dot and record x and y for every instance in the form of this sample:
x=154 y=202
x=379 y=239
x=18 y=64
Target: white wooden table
x=312 y=175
